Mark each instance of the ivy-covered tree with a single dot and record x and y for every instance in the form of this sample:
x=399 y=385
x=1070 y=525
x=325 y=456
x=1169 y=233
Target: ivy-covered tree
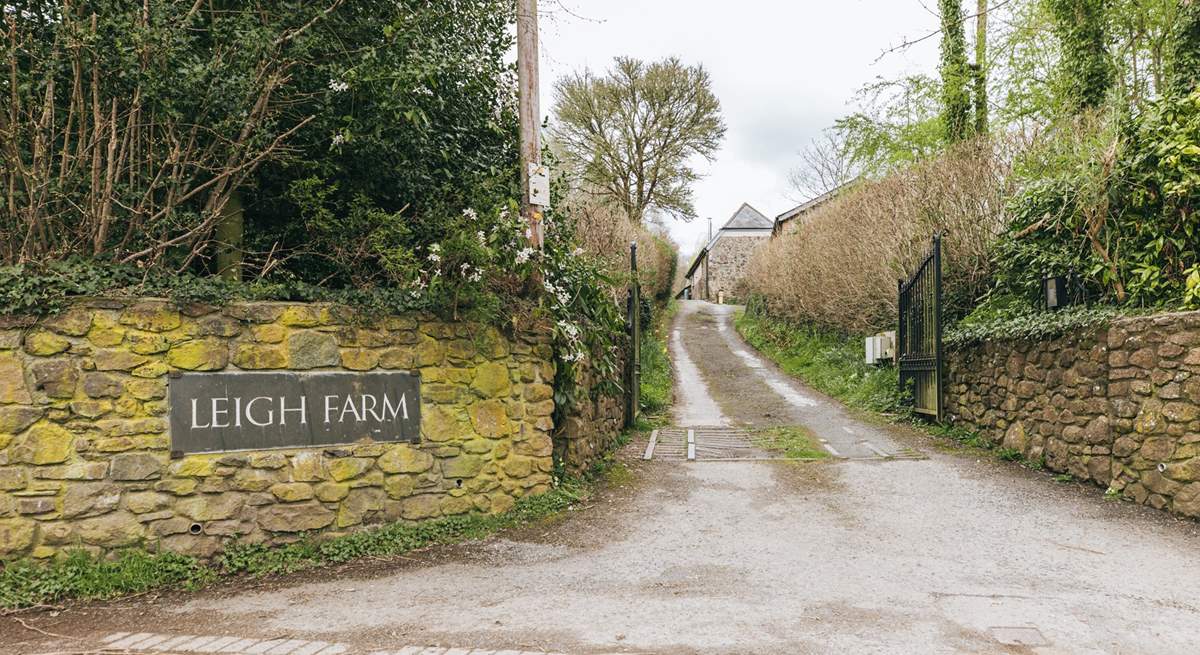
x=1081 y=28
x=1185 y=48
x=956 y=74
x=981 y=67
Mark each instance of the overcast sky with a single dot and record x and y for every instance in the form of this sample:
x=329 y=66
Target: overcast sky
x=782 y=69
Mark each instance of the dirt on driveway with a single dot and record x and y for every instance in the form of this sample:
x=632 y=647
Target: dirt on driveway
x=947 y=554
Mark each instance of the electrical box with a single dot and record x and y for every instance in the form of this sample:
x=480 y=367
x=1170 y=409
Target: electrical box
x=539 y=185
x=880 y=348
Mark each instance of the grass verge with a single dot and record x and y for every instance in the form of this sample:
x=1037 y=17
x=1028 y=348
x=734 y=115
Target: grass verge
x=832 y=363
x=793 y=442
x=82 y=576
x=657 y=378
x=829 y=362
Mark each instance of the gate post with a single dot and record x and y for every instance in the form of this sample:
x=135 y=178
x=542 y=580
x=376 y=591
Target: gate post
x=633 y=392
x=937 y=319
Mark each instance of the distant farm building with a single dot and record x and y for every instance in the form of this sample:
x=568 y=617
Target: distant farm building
x=715 y=273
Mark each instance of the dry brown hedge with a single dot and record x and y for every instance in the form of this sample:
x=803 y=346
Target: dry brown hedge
x=606 y=232
x=839 y=269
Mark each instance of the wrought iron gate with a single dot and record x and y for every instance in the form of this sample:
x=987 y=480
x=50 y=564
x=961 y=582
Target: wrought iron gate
x=919 y=337
x=633 y=325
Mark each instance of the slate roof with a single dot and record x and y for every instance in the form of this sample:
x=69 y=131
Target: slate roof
x=745 y=218
x=748 y=218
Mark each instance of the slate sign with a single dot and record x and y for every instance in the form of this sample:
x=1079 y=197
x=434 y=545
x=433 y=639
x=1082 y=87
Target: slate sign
x=215 y=412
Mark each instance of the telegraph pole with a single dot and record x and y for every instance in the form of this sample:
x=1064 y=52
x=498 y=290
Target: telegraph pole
x=532 y=204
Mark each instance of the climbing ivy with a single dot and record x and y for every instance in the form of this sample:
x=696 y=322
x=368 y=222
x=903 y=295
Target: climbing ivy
x=1081 y=28
x=956 y=74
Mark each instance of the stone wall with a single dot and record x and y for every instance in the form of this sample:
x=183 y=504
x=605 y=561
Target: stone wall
x=592 y=425
x=1119 y=405
x=84 y=446
x=728 y=259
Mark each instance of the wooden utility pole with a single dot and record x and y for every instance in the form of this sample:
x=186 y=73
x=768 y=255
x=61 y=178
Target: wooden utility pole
x=531 y=143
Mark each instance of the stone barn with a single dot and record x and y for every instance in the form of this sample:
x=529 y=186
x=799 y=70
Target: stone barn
x=715 y=273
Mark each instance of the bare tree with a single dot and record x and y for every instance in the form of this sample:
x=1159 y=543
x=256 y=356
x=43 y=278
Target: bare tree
x=825 y=164
x=628 y=136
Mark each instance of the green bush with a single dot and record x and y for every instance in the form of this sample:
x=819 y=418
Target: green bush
x=1009 y=318
x=1114 y=199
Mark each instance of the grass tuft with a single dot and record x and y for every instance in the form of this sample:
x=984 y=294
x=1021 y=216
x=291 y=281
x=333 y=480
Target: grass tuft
x=793 y=442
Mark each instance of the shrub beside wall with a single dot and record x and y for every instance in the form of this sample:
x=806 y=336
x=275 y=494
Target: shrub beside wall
x=85 y=452
x=1117 y=405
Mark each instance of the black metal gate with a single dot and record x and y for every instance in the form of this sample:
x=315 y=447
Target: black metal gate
x=919 y=337
x=633 y=325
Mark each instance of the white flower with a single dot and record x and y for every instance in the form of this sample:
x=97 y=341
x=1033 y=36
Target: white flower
x=577 y=252
x=434 y=257
x=524 y=255
x=423 y=91
x=563 y=298
x=338 y=86
x=528 y=233
x=476 y=276
x=482 y=238
x=338 y=139
x=470 y=214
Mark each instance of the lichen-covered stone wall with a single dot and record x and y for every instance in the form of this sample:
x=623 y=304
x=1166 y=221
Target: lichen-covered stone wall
x=84 y=446
x=592 y=425
x=1119 y=405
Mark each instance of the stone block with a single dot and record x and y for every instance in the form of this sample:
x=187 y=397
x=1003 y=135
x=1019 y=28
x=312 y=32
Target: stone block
x=103 y=385
x=41 y=343
x=462 y=466
x=359 y=359
x=44 y=443
x=151 y=317
x=90 y=499
x=12 y=381
x=117 y=360
x=309 y=350
x=291 y=492
x=113 y=530
x=490 y=419
x=399 y=486
x=16 y=536
x=136 y=467
x=405 y=459
x=309 y=466
x=347 y=468
x=75 y=322
x=332 y=492
x=258 y=357
x=209 y=354
x=492 y=381
x=211 y=507
x=15 y=419
x=56 y=378
x=358 y=506
x=146 y=502
x=424 y=506
x=294 y=517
